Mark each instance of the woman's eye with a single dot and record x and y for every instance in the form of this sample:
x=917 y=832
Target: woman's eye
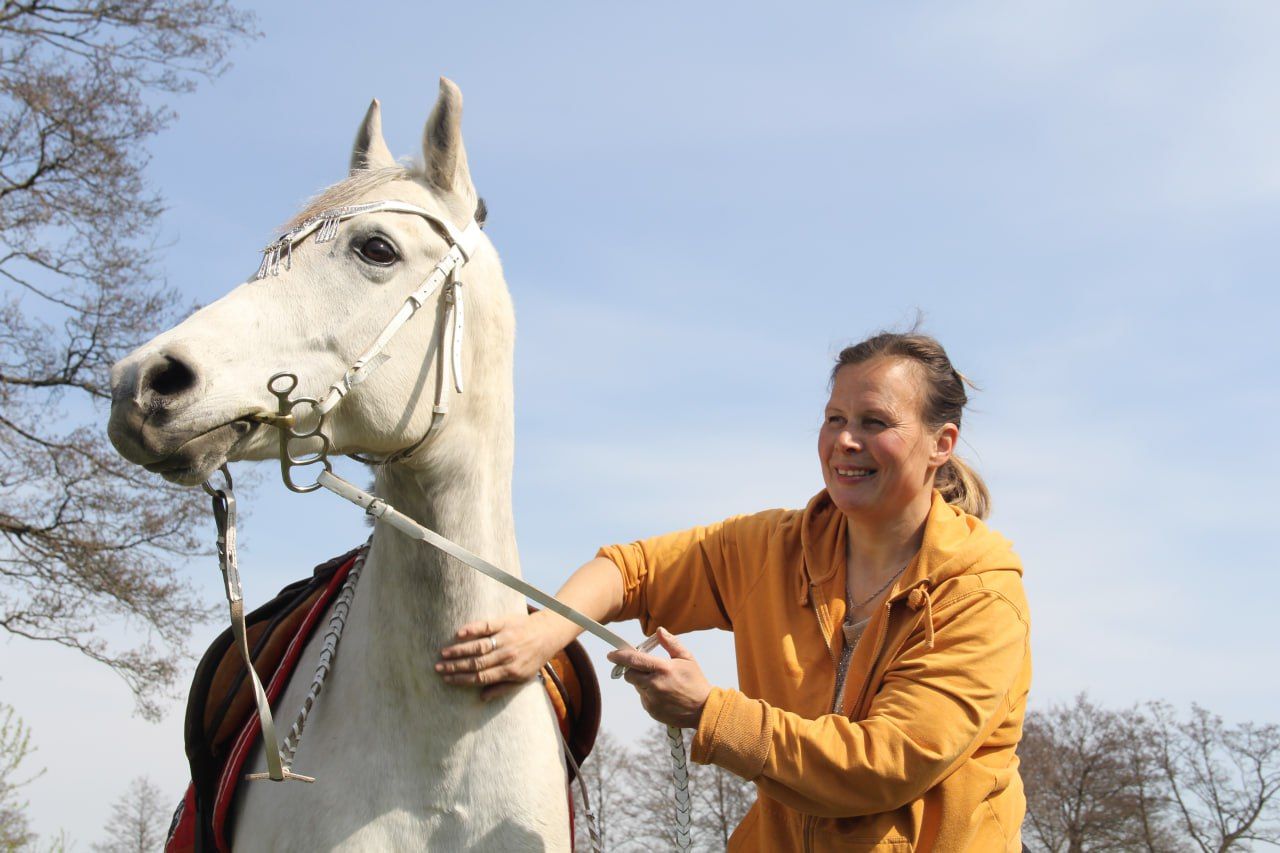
x=378 y=250
x=834 y=419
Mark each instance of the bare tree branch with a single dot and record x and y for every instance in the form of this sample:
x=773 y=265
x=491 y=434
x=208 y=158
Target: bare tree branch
x=88 y=543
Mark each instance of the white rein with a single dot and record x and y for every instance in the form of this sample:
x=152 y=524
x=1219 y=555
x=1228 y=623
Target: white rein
x=462 y=244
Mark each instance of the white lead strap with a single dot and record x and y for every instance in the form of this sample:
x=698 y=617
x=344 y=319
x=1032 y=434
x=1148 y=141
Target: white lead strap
x=383 y=511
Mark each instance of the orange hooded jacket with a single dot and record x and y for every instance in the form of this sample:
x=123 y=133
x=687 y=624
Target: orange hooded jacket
x=921 y=754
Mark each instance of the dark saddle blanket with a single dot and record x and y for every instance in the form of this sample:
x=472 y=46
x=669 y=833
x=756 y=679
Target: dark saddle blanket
x=222 y=726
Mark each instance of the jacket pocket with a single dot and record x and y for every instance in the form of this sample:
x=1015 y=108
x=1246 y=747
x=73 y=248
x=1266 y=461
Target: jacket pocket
x=852 y=844
x=871 y=833
x=743 y=836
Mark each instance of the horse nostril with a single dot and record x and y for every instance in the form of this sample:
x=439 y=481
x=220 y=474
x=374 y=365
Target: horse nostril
x=168 y=376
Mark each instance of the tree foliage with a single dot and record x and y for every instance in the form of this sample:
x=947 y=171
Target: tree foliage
x=15 y=747
x=89 y=541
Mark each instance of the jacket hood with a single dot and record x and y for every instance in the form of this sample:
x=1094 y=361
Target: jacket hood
x=955 y=543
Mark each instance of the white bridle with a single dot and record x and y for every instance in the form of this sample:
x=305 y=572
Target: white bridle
x=462 y=246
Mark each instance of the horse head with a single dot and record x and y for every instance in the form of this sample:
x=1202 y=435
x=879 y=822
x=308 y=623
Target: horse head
x=196 y=395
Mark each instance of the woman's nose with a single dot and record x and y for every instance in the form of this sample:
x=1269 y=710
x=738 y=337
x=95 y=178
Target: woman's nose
x=848 y=441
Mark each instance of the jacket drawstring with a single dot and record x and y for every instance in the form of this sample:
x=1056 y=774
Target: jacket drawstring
x=919 y=598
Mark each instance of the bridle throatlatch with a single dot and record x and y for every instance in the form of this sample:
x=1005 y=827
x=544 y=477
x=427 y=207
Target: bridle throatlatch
x=304 y=443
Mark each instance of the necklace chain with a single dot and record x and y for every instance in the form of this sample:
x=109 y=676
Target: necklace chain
x=873 y=596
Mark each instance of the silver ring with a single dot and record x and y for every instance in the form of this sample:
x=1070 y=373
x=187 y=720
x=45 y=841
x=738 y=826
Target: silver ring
x=493 y=643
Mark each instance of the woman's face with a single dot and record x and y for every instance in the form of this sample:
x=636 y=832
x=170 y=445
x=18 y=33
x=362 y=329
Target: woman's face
x=878 y=457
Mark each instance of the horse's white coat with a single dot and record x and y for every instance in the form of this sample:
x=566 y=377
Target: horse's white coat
x=402 y=760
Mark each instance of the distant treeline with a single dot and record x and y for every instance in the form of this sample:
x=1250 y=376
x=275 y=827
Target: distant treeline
x=1135 y=779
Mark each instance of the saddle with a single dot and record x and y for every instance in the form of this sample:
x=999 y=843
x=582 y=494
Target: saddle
x=222 y=728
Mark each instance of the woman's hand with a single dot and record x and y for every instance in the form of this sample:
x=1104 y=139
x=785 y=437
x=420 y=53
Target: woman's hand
x=499 y=655
x=672 y=691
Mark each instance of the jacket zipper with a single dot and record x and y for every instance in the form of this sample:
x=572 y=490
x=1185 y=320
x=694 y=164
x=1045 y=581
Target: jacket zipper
x=822 y=631
x=875 y=653
x=810 y=824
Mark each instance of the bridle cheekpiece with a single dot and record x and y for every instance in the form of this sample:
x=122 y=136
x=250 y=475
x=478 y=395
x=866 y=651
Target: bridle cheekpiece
x=307 y=426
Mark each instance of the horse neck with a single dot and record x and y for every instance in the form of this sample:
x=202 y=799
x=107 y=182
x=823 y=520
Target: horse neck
x=462 y=491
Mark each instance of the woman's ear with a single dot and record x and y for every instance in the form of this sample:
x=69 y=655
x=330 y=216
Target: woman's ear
x=944 y=444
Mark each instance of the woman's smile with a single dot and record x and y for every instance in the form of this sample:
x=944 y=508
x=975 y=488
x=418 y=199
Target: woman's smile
x=849 y=474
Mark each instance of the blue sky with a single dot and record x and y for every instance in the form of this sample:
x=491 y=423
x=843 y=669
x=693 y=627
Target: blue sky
x=698 y=206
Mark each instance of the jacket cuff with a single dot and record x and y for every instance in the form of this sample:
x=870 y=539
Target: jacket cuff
x=734 y=733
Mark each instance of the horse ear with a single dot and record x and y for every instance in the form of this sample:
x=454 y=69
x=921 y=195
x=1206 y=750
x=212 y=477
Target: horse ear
x=370 y=150
x=446 y=159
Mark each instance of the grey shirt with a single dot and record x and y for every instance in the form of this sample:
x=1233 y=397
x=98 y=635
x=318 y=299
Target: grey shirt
x=852 y=633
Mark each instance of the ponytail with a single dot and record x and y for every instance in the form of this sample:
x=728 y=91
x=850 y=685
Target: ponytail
x=961 y=486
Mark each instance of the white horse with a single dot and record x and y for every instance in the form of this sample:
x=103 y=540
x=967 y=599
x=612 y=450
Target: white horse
x=401 y=760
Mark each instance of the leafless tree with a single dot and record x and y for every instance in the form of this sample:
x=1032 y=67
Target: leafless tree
x=649 y=802
x=1223 y=779
x=1090 y=782
x=15 y=747
x=601 y=772
x=632 y=792
x=88 y=540
x=1144 y=779
x=720 y=802
x=1153 y=826
x=139 y=820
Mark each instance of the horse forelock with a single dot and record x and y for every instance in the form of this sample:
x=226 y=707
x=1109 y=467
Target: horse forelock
x=349 y=190
x=353 y=188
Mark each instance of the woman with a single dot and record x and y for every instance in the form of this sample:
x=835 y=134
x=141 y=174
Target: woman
x=881 y=633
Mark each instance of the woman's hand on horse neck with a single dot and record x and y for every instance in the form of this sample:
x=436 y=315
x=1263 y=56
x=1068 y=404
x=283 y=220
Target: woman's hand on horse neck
x=525 y=643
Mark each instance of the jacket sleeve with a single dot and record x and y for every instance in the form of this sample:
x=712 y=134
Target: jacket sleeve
x=934 y=708
x=687 y=581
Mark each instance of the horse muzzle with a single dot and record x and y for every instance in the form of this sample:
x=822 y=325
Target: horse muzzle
x=157 y=420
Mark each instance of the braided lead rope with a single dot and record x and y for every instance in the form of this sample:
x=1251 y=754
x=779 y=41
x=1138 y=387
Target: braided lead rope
x=337 y=624
x=680 y=779
x=679 y=764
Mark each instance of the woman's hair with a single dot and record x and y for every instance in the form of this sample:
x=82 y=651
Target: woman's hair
x=943 y=402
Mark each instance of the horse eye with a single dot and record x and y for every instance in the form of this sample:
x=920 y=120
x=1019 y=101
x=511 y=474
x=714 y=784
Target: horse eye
x=378 y=250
